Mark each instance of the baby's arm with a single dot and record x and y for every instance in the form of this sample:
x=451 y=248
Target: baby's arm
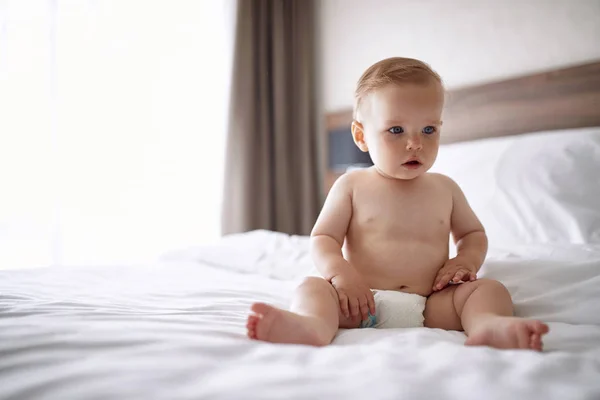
x=470 y=238
x=329 y=232
x=327 y=239
x=467 y=231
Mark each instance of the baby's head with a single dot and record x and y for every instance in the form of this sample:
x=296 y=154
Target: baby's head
x=397 y=116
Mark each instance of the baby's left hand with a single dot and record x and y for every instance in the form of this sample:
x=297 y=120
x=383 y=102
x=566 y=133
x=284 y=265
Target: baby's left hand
x=456 y=269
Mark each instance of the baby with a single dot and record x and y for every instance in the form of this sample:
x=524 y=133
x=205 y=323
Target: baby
x=380 y=243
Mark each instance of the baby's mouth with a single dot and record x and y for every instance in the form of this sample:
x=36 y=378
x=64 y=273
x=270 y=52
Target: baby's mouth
x=414 y=162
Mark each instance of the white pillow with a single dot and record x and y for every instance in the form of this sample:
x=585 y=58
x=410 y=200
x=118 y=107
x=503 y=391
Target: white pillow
x=537 y=188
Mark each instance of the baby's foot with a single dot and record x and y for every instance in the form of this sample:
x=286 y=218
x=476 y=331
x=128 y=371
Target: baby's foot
x=279 y=326
x=508 y=333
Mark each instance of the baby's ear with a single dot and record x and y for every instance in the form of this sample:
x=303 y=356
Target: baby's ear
x=358 y=135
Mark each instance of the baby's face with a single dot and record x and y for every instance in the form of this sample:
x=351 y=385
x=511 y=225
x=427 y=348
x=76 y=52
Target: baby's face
x=401 y=126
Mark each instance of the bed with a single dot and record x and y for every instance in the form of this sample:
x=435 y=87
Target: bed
x=175 y=329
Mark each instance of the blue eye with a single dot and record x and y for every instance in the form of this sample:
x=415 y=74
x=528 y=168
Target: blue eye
x=396 y=130
x=428 y=130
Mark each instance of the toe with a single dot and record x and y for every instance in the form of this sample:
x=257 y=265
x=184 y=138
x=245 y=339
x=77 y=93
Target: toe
x=538 y=327
x=265 y=315
x=523 y=336
x=539 y=344
x=253 y=320
x=261 y=308
x=536 y=342
x=251 y=333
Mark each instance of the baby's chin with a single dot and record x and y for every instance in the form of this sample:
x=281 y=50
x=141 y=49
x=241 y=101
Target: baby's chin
x=402 y=173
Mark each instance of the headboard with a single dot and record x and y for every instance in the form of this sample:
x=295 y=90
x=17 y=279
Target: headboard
x=557 y=99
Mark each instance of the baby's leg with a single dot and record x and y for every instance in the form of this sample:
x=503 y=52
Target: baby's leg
x=484 y=310
x=313 y=318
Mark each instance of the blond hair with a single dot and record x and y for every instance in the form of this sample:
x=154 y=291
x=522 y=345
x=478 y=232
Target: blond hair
x=394 y=70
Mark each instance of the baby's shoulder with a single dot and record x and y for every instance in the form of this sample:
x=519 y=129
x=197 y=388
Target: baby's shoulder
x=442 y=180
x=354 y=177
x=352 y=181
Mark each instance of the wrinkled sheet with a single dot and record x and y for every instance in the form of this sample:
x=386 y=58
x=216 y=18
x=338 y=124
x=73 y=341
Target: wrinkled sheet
x=176 y=330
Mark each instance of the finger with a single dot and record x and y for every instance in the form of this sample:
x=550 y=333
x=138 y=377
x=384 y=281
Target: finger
x=459 y=275
x=447 y=272
x=438 y=279
x=344 y=304
x=443 y=282
x=471 y=276
x=371 y=301
x=464 y=275
x=364 y=308
x=353 y=302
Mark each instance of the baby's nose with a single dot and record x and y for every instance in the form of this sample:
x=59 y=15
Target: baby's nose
x=414 y=144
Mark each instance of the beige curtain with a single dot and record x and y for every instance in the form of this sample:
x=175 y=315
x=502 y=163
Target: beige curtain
x=271 y=179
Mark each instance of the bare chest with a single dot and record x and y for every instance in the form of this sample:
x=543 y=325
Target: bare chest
x=420 y=211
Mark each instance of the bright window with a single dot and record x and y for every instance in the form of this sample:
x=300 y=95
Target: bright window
x=112 y=128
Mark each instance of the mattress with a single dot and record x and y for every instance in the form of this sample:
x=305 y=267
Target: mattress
x=175 y=329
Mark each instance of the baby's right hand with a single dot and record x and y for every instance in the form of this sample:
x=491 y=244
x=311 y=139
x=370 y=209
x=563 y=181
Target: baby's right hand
x=355 y=296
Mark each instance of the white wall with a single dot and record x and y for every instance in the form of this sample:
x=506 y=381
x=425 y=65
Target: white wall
x=466 y=41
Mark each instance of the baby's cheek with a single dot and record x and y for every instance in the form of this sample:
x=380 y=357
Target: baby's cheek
x=376 y=155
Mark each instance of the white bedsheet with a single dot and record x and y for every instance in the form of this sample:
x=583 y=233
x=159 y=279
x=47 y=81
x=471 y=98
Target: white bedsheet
x=175 y=330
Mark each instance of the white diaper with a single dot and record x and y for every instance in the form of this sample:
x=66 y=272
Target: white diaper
x=395 y=309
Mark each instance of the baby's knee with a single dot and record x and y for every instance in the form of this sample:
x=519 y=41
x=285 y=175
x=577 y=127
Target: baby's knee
x=313 y=286
x=485 y=285
x=489 y=284
x=311 y=283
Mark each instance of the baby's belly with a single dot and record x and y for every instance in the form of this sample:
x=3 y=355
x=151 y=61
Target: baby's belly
x=405 y=265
